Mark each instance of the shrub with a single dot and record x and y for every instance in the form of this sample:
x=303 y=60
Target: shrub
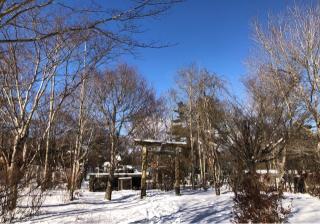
x=257 y=202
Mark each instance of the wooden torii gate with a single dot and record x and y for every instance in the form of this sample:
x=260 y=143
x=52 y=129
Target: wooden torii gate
x=163 y=149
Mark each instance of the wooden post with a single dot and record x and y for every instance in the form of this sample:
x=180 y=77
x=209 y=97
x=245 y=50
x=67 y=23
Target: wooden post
x=177 y=171
x=157 y=174
x=144 y=171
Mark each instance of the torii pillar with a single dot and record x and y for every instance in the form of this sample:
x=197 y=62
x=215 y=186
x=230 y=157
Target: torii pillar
x=144 y=160
x=144 y=168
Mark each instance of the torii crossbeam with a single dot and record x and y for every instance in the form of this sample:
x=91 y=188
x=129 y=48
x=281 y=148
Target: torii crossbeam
x=164 y=145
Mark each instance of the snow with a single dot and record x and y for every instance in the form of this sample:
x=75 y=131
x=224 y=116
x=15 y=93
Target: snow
x=159 y=207
x=305 y=208
x=127 y=207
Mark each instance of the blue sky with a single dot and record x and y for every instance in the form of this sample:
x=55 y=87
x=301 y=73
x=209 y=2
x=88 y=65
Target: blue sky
x=214 y=34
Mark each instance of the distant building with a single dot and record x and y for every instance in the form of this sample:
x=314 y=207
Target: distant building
x=125 y=177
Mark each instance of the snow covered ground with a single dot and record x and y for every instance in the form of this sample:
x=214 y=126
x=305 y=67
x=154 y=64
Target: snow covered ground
x=159 y=207
x=304 y=208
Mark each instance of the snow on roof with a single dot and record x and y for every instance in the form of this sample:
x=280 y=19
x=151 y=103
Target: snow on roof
x=115 y=174
x=124 y=178
x=147 y=140
x=272 y=171
x=160 y=142
x=128 y=166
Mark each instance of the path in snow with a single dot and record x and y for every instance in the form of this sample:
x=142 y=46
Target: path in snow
x=159 y=207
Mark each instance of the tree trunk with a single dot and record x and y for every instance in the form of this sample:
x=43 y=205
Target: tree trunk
x=177 y=172
x=14 y=174
x=109 y=189
x=48 y=134
x=46 y=164
x=318 y=144
x=191 y=138
x=201 y=167
x=281 y=170
x=192 y=161
x=204 y=182
x=217 y=177
x=200 y=153
x=13 y=187
x=73 y=181
x=79 y=141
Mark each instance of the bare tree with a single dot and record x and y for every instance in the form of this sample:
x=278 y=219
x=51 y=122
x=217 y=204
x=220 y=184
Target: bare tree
x=291 y=44
x=277 y=98
x=199 y=88
x=11 y=10
x=186 y=81
x=24 y=80
x=29 y=73
x=255 y=135
x=41 y=62
x=211 y=117
x=41 y=68
x=79 y=17
x=122 y=98
x=84 y=134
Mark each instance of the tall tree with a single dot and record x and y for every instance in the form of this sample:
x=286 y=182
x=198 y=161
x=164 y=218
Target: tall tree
x=290 y=44
x=198 y=90
x=123 y=98
x=186 y=81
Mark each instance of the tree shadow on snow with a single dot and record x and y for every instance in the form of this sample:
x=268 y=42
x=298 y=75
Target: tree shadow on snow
x=217 y=212
x=86 y=209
